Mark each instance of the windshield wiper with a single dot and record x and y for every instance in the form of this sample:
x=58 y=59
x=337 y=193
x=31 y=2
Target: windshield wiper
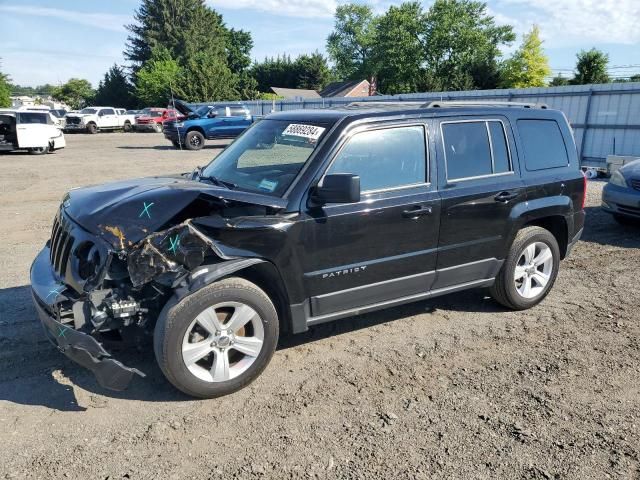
x=217 y=182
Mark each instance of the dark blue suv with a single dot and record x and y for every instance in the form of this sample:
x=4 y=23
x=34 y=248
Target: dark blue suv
x=206 y=122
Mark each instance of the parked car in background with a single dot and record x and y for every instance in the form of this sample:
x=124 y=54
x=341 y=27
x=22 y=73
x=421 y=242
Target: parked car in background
x=33 y=131
x=154 y=119
x=96 y=119
x=206 y=123
x=59 y=114
x=310 y=217
x=621 y=196
x=144 y=111
x=133 y=112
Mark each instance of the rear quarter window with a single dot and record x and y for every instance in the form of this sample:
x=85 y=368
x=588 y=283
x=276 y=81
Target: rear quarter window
x=542 y=144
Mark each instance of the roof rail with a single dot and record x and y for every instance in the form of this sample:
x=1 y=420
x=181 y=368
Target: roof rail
x=382 y=103
x=482 y=103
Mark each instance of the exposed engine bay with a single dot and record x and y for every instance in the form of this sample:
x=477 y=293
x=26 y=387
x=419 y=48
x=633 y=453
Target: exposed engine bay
x=113 y=272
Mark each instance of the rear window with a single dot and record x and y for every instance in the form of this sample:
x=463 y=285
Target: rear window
x=543 y=144
x=475 y=149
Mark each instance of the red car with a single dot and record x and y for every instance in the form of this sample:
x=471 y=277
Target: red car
x=154 y=118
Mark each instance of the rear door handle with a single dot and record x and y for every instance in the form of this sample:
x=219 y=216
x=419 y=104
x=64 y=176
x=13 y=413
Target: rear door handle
x=506 y=197
x=417 y=212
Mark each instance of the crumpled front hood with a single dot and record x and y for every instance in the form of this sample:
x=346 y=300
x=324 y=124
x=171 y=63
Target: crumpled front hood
x=126 y=212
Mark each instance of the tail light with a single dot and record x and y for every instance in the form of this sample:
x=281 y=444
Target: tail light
x=584 y=191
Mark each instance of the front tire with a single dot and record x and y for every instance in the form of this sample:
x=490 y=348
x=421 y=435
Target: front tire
x=217 y=340
x=127 y=127
x=39 y=150
x=194 y=140
x=529 y=271
x=92 y=128
x=158 y=128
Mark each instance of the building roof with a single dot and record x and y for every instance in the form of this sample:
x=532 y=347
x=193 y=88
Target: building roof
x=293 y=93
x=340 y=89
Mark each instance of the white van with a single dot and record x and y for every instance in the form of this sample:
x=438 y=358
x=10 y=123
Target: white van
x=33 y=131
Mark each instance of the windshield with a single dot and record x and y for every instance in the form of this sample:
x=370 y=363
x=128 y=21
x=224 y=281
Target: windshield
x=89 y=110
x=267 y=157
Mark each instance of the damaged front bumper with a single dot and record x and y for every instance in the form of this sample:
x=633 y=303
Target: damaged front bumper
x=49 y=295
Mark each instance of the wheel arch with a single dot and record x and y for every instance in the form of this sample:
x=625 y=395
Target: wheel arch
x=262 y=273
x=196 y=129
x=557 y=225
x=554 y=214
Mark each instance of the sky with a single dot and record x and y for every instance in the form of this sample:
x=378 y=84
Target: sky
x=51 y=41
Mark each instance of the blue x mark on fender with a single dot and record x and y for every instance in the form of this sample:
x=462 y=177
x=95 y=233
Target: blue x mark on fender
x=55 y=292
x=175 y=244
x=145 y=210
x=61 y=331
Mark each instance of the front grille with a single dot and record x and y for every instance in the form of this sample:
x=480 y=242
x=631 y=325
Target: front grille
x=61 y=245
x=635 y=183
x=73 y=120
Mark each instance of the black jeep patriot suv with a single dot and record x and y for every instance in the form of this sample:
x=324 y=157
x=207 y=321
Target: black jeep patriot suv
x=310 y=217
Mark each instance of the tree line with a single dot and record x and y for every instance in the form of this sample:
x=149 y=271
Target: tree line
x=183 y=48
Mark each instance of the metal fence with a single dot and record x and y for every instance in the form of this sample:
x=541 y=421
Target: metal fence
x=605 y=118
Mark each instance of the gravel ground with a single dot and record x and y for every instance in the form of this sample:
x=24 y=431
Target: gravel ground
x=454 y=387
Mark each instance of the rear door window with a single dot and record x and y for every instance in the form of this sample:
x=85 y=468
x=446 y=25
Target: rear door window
x=475 y=149
x=543 y=145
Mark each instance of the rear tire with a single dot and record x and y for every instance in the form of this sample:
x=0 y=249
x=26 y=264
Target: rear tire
x=200 y=350
x=92 y=128
x=194 y=140
x=524 y=280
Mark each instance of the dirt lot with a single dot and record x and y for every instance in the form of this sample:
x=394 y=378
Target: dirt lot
x=455 y=387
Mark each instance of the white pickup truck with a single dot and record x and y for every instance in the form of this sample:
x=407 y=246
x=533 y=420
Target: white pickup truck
x=95 y=119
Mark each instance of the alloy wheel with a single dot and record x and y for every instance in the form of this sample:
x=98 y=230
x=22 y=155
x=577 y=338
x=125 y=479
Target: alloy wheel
x=533 y=270
x=223 y=342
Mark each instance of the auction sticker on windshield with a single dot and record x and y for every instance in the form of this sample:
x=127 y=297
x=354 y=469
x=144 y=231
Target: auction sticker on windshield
x=305 y=131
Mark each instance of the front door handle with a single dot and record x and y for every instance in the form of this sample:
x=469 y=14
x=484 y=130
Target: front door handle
x=506 y=197
x=417 y=212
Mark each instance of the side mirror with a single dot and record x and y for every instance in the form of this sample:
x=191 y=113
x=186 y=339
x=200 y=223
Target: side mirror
x=101 y=113
x=212 y=114
x=337 y=188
